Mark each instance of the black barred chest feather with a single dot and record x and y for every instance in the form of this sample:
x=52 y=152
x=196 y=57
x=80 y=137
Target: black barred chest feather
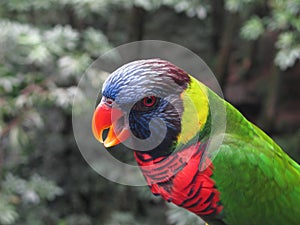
x=178 y=179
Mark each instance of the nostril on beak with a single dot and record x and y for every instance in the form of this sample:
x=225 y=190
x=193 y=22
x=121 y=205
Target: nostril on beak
x=105 y=133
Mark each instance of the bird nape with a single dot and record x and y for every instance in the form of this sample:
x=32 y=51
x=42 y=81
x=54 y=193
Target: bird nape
x=164 y=115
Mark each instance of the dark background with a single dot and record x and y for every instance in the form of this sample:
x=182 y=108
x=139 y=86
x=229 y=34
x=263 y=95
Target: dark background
x=46 y=45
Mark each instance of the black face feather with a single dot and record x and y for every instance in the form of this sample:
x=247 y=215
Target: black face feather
x=139 y=122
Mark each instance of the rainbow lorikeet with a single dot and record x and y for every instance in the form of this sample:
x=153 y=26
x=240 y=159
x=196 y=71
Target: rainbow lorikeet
x=247 y=180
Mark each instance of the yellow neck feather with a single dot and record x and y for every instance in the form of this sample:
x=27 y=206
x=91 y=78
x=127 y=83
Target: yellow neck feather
x=196 y=108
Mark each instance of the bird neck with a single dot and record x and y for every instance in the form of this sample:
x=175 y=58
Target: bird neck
x=163 y=168
x=195 y=111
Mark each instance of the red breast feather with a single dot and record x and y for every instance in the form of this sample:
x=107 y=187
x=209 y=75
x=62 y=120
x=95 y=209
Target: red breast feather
x=178 y=179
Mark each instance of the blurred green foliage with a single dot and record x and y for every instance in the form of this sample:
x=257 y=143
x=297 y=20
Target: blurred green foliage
x=45 y=46
x=283 y=19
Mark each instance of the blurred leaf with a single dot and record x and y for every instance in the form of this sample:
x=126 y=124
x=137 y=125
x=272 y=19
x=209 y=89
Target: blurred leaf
x=18 y=5
x=30 y=38
x=287 y=57
x=61 y=39
x=237 y=5
x=95 y=42
x=64 y=96
x=44 y=188
x=252 y=29
x=8 y=214
x=18 y=138
x=285 y=40
x=73 y=65
x=280 y=20
x=33 y=190
x=39 y=55
x=8 y=83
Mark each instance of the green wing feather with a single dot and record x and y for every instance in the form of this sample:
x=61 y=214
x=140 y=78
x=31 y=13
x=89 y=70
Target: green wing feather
x=259 y=183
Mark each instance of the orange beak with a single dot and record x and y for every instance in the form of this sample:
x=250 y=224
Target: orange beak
x=110 y=120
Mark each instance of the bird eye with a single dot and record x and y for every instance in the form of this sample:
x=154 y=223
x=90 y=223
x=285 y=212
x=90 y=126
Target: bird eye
x=149 y=101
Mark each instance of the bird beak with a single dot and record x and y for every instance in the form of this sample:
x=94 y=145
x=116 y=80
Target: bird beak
x=108 y=125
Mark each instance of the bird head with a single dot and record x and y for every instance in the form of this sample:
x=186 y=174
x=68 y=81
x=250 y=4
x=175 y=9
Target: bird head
x=150 y=104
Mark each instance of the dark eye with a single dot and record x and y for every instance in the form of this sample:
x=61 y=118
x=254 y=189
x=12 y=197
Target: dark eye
x=149 y=101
